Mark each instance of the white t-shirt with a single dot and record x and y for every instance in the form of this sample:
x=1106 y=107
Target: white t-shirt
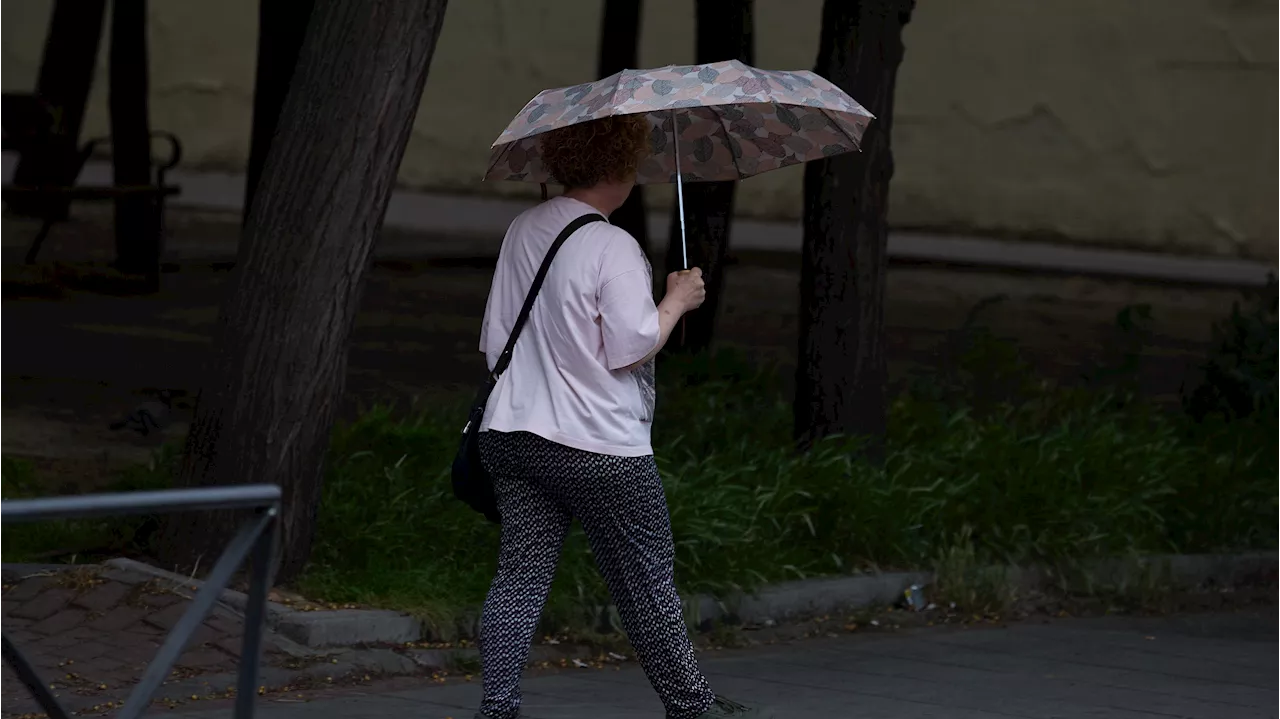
x=594 y=316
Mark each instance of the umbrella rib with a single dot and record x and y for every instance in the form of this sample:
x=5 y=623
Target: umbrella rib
x=856 y=145
x=613 y=96
x=728 y=140
x=506 y=149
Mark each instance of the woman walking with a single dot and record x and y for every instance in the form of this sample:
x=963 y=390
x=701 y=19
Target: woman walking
x=566 y=433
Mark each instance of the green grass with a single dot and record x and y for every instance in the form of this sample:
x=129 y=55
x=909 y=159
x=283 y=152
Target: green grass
x=74 y=541
x=1032 y=473
x=1061 y=475
x=34 y=542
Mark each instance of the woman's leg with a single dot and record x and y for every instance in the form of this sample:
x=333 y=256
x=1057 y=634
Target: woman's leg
x=621 y=506
x=533 y=530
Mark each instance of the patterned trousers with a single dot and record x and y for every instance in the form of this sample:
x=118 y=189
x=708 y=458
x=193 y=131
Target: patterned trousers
x=541 y=486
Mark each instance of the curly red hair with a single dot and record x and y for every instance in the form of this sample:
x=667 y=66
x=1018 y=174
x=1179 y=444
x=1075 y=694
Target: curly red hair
x=588 y=153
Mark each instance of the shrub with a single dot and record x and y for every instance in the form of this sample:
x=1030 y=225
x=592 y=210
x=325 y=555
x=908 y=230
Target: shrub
x=1239 y=375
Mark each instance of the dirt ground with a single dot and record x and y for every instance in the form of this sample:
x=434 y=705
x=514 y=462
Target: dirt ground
x=74 y=360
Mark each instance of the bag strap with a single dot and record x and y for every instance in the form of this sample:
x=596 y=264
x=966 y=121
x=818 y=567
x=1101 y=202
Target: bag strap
x=504 y=359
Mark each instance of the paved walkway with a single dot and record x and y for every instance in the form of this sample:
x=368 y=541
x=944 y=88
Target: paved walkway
x=459 y=220
x=91 y=634
x=1198 y=667
x=467 y=224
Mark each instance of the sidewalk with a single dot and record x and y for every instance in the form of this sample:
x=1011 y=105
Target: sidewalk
x=473 y=225
x=92 y=631
x=91 y=635
x=1206 y=666
x=464 y=224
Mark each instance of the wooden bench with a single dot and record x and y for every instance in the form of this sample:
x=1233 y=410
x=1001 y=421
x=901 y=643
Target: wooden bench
x=31 y=126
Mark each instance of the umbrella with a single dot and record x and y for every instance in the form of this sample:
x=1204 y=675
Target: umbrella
x=710 y=122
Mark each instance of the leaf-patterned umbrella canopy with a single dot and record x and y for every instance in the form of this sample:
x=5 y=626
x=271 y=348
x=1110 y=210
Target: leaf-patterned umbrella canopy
x=735 y=121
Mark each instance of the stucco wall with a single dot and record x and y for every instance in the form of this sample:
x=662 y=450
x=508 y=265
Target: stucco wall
x=1141 y=123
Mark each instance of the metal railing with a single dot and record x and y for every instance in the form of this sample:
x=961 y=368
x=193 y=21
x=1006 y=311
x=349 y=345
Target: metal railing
x=254 y=541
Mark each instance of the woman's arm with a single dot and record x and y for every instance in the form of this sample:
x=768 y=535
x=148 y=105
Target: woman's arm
x=685 y=292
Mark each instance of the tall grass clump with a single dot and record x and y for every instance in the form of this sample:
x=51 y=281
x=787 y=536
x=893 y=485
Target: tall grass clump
x=1051 y=476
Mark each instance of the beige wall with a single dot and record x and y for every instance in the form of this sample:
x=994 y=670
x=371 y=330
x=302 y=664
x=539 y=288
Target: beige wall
x=1142 y=123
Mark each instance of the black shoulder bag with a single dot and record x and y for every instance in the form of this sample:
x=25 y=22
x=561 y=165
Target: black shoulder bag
x=471 y=483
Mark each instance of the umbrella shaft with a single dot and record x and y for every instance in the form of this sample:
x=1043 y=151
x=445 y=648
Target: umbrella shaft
x=675 y=137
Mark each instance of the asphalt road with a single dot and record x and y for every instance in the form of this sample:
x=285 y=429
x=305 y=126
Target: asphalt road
x=1209 y=666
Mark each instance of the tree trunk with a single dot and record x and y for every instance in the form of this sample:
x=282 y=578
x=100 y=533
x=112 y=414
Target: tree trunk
x=66 y=75
x=841 y=376
x=724 y=32
x=281 y=28
x=136 y=223
x=619 y=40
x=279 y=356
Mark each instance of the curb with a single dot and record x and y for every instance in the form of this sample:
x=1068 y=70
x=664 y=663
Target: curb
x=352 y=627
x=354 y=662
x=775 y=603
x=807 y=597
x=329 y=628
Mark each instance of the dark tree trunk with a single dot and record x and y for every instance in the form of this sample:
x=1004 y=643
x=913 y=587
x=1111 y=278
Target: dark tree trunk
x=841 y=376
x=724 y=32
x=136 y=223
x=66 y=75
x=619 y=40
x=282 y=25
x=280 y=353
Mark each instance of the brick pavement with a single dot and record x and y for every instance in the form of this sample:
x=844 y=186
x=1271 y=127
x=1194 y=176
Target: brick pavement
x=90 y=633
